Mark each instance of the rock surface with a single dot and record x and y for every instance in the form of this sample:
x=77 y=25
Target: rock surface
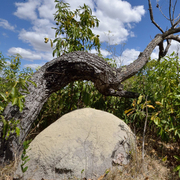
x=82 y=143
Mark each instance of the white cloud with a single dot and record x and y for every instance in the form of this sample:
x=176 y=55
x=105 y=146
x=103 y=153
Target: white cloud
x=36 y=40
x=4 y=34
x=27 y=10
x=47 y=56
x=121 y=10
x=75 y=4
x=155 y=53
x=117 y=16
x=175 y=47
x=30 y=55
x=103 y=52
x=33 y=66
x=47 y=9
x=128 y=56
x=5 y=24
x=25 y=53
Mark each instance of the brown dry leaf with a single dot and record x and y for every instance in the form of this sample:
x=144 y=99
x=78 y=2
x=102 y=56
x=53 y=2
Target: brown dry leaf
x=101 y=177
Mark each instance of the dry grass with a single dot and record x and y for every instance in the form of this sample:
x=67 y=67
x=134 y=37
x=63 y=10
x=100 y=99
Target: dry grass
x=158 y=163
x=152 y=168
x=7 y=172
x=149 y=169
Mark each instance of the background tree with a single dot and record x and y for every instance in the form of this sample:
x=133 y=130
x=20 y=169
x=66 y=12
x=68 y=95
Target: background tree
x=74 y=29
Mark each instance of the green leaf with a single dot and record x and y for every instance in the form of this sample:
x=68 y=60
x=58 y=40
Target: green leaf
x=156 y=120
x=86 y=98
x=82 y=171
x=24 y=169
x=17 y=131
x=20 y=104
x=164 y=159
x=177 y=168
x=177 y=157
x=139 y=99
x=14 y=101
x=14 y=92
x=3 y=96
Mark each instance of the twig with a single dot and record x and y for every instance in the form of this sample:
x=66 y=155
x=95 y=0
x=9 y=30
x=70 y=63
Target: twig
x=152 y=18
x=145 y=124
x=177 y=22
x=170 y=16
x=163 y=13
x=174 y=7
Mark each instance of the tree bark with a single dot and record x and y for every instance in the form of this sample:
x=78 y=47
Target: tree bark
x=55 y=75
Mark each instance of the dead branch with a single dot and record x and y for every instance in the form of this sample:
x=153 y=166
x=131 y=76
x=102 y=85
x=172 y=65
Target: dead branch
x=152 y=17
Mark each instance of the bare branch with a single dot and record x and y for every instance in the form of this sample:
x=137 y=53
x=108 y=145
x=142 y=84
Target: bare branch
x=163 y=52
x=177 y=17
x=170 y=16
x=133 y=68
x=174 y=7
x=167 y=47
x=163 y=13
x=171 y=13
x=173 y=37
x=171 y=31
x=152 y=18
x=175 y=24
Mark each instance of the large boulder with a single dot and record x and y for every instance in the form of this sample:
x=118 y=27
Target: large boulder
x=82 y=143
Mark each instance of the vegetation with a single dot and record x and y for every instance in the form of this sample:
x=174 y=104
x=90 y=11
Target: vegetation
x=71 y=34
x=158 y=82
x=156 y=113
x=13 y=83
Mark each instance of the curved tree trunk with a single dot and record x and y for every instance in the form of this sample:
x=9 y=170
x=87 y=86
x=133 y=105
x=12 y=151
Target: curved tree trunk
x=55 y=75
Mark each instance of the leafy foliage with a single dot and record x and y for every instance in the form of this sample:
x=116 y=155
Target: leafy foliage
x=24 y=157
x=13 y=83
x=83 y=94
x=74 y=29
x=160 y=81
x=178 y=167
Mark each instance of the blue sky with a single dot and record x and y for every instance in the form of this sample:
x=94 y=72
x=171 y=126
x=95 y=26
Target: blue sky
x=25 y=23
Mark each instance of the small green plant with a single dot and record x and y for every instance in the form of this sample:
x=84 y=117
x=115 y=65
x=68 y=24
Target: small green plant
x=107 y=171
x=9 y=127
x=24 y=157
x=177 y=168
